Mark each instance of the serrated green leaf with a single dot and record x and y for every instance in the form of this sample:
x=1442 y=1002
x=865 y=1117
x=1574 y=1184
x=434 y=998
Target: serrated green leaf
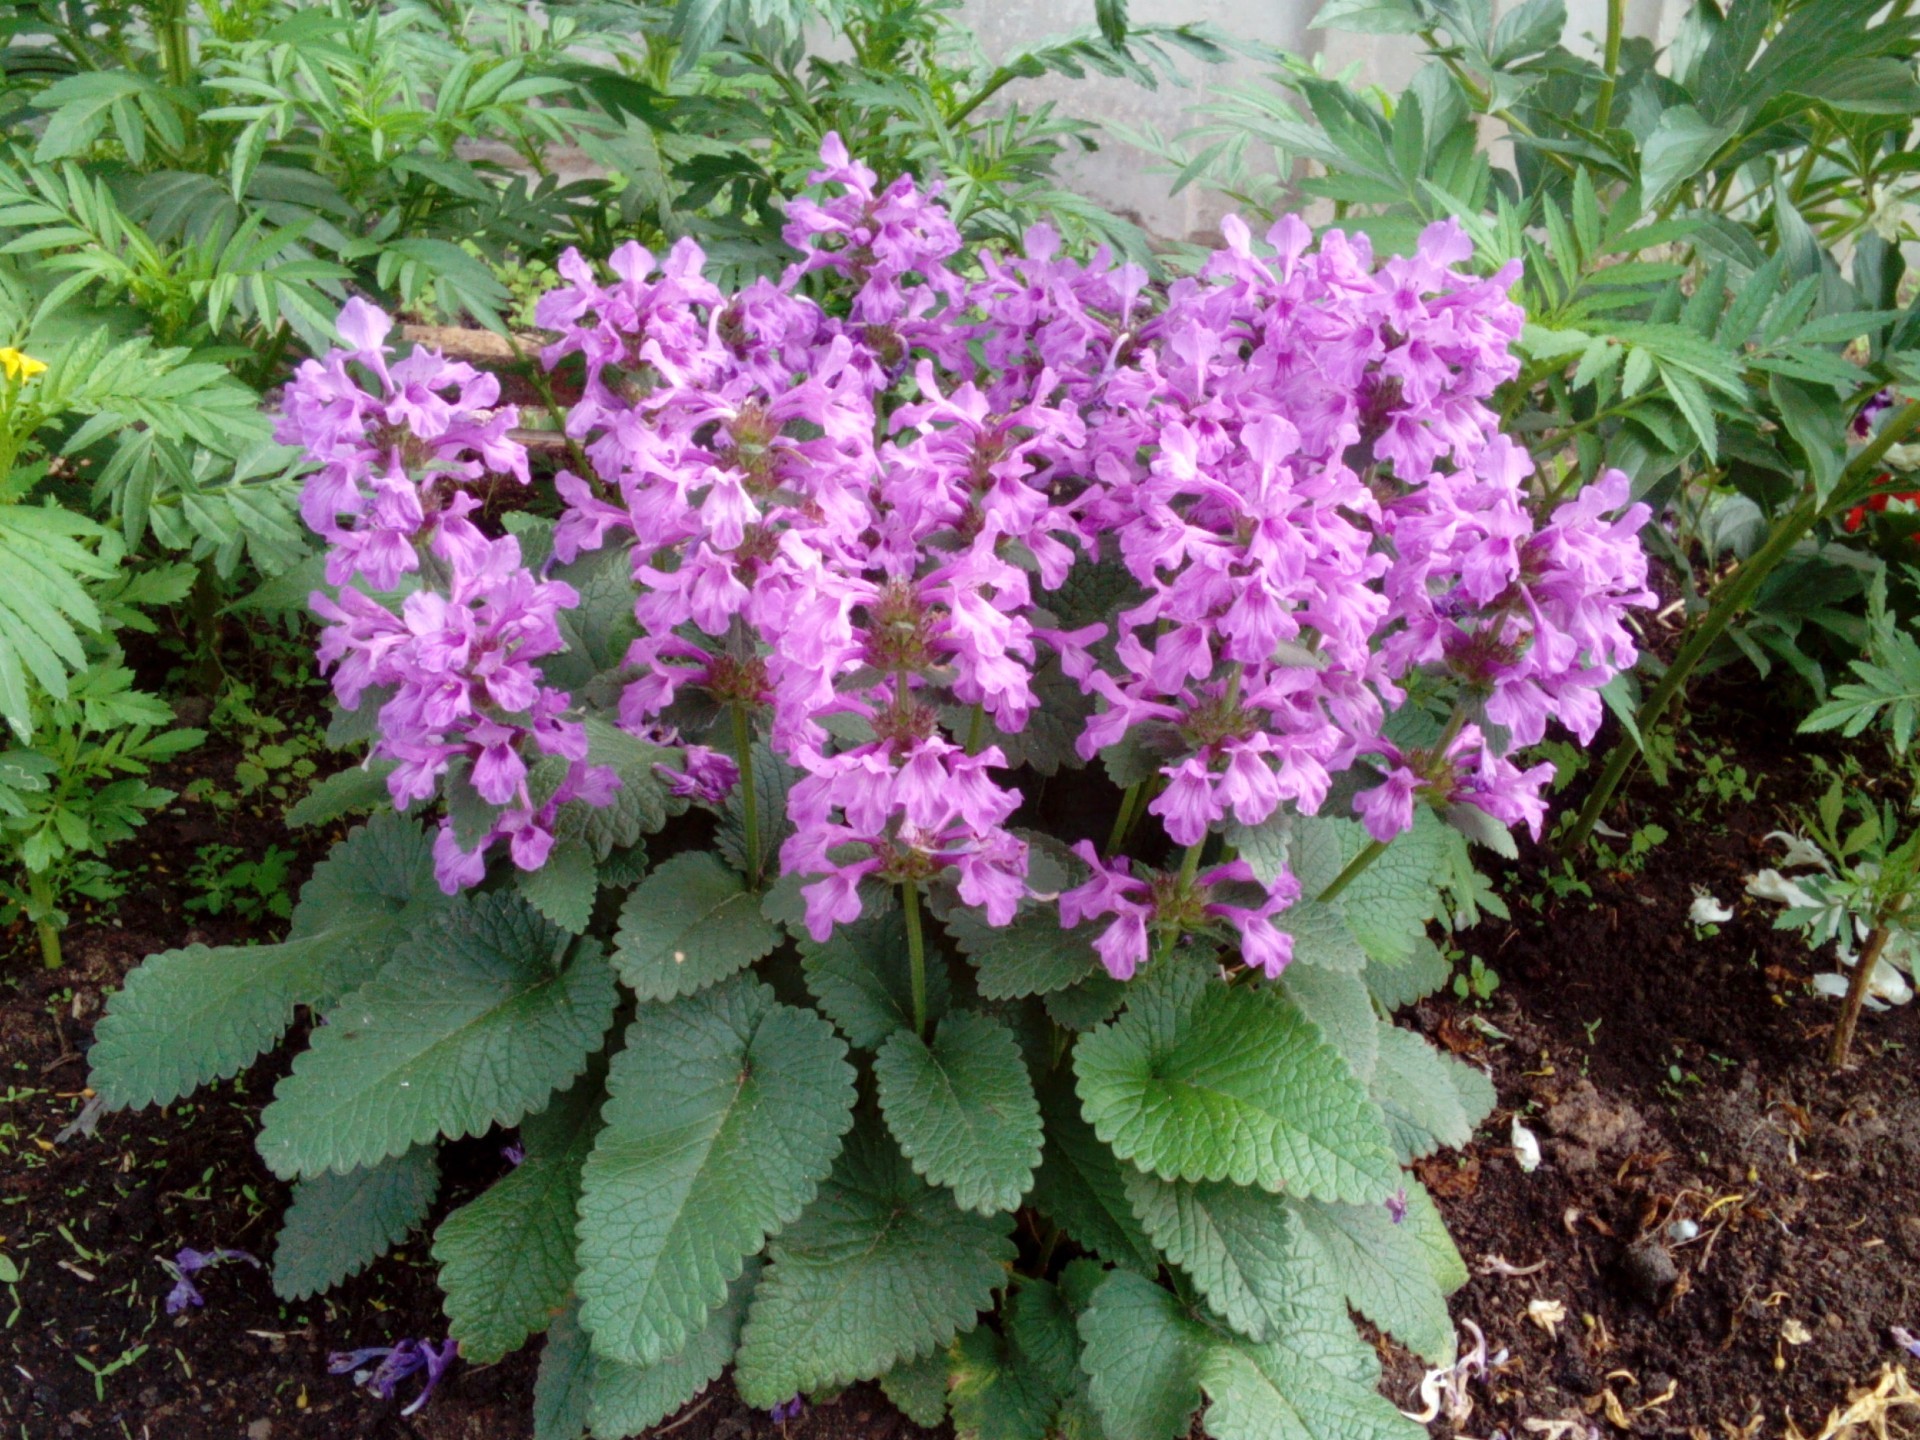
x=190 y=1016
x=359 y=787
x=690 y=923
x=1082 y=1188
x=1322 y=937
x=1430 y=1100
x=628 y=1399
x=564 y=888
x=919 y=1389
x=963 y=1109
x=882 y=1268
x=862 y=977
x=1413 y=979
x=563 y=1390
x=338 y=1225
x=1317 y=1382
x=1081 y=1007
x=725 y=1110
x=1340 y=1007
x=473 y=1023
x=1011 y=1386
x=507 y=1257
x=1201 y=1081
x=1233 y=1240
x=1032 y=956
x=1144 y=1356
x=1398 y=1276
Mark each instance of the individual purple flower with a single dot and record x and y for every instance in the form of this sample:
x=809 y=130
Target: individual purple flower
x=706 y=775
x=1397 y=1206
x=787 y=1410
x=382 y=1369
x=189 y=1262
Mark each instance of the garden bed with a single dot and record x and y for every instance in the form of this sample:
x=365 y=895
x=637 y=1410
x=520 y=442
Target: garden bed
x=1671 y=1076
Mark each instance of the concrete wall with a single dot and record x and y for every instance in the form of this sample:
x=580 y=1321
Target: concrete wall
x=1127 y=179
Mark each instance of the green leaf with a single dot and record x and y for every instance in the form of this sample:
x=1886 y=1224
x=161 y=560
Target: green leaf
x=1389 y=903
x=725 y=1110
x=359 y=787
x=1398 y=1276
x=690 y=923
x=1413 y=979
x=1032 y=956
x=1144 y=1355
x=628 y=1399
x=563 y=1390
x=862 y=977
x=963 y=1109
x=1200 y=1081
x=1232 y=1239
x=1082 y=1188
x=340 y=1224
x=881 y=1269
x=1316 y=1382
x=474 y=1023
x=1430 y=1100
x=507 y=1258
x=1681 y=144
x=1341 y=1009
x=1011 y=1386
x=564 y=888
x=189 y=1016
x=919 y=1389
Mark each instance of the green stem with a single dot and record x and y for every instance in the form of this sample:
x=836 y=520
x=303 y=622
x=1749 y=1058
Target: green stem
x=749 y=793
x=976 y=728
x=1375 y=849
x=1123 y=822
x=40 y=891
x=537 y=377
x=916 y=956
x=1190 y=862
x=1610 y=62
x=1729 y=600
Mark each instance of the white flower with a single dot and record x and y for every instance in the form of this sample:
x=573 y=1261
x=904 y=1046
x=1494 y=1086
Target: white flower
x=1707 y=910
x=1526 y=1147
x=1772 y=885
x=1800 y=851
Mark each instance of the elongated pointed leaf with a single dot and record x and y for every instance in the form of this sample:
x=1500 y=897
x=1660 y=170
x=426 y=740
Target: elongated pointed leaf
x=340 y=1224
x=507 y=1257
x=725 y=1110
x=190 y=1016
x=1199 y=1081
x=881 y=1269
x=473 y=1024
x=963 y=1110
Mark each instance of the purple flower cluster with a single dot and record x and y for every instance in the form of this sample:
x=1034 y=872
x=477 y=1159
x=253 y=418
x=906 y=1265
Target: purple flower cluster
x=381 y=1369
x=850 y=497
x=455 y=662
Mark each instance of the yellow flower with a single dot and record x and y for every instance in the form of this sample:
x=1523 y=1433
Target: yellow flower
x=19 y=366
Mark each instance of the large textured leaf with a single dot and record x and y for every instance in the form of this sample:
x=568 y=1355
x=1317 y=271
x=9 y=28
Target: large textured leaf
x=1398 y=1276
x=862 y=978
x=1315 y=1382
x=1201 y=1081
x=563 y=1390
x=190 y=1016
x=1430 y=1100
x=725 y=1111
x=506 y=1257
x=1144 y=1355
x=472 y=1024
x=1232 y=1239
x=1082 y=1188
x=963 y=1110
x=690 y=923
x=340 y=1224
x=1031 y=956
x=882 y=1268
x=628 y=1399
x=1341 y=1007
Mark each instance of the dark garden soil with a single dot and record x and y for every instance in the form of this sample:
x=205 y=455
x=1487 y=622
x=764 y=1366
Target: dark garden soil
x=1673 y=1077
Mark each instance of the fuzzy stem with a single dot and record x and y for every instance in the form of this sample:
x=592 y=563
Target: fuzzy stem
x=749 y=793
x=1123 y=822
x=1857 y=988
x=1610 y=62
x=40 y=891
x=916 y=956
x=1375 y=849
x=976 y=727
x=1190 y=862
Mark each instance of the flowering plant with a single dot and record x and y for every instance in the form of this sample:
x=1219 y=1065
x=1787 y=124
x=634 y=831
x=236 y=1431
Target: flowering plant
x=776 y=745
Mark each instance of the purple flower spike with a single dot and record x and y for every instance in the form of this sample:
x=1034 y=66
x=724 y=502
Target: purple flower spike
x=787 y=1410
